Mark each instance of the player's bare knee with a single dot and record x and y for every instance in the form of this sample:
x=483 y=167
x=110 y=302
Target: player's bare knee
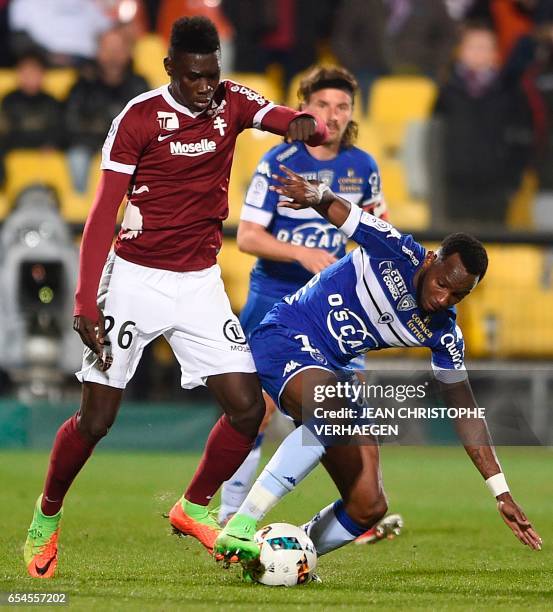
x=94 y=429
x=247 y=413
x=95 y=425
x=368 y=513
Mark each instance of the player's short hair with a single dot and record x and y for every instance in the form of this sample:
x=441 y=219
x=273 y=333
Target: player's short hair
x=194 y=35
x=331 y=77
x=471 y=251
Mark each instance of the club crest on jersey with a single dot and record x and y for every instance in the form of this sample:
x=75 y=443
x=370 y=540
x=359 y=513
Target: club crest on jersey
x=386 y=318
x=407 y=303
x=374 y=182
x=220 y=124
x=233 y=332
x=167 y=121
x=326 y=176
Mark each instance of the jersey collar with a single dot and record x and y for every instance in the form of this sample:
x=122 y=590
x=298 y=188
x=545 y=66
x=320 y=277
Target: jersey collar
x=172 y=102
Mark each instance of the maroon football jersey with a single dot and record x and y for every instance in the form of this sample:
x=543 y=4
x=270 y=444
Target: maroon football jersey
x=180 y=164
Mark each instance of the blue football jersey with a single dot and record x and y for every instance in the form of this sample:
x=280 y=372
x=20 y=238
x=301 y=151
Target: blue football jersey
x=352 y=174
x=367 y=301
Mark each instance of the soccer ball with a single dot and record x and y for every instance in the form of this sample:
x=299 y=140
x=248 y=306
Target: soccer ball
x=287 y=555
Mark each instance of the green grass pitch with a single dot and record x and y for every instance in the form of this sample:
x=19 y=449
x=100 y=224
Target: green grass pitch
x=455 y=553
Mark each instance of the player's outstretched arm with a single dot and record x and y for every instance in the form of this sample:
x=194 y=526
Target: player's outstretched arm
x=95 y=245
x=305 y=194
x=477 y=441
x=295 y=125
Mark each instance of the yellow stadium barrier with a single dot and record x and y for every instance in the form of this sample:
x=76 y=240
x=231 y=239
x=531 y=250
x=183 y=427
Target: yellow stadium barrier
x=406 y=213
x=148 y=55
x=4 y=206
x=8 y=81
x=395 y=103
x=57 y=82
x=28 y=167
x=25 y=168
x=509 y=314
x=235 y=267
x=397 y=100
x=250 y=147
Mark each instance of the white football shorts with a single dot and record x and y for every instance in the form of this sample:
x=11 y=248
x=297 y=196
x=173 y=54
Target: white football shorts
x=192 y=311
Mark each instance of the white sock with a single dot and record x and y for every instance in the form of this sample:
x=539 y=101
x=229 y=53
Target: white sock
x=235 y=489
x=295 y=458
x=332 y=528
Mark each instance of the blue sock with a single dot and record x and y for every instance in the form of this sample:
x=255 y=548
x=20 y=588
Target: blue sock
x=332 y=528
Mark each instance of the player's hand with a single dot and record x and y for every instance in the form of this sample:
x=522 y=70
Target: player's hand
x=314 y=260
x=301 y=128
x=517 y=522
x=93 y=336
x=301 y=192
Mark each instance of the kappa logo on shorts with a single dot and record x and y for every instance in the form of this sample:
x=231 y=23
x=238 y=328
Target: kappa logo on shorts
x=290 y=367
x=233 y=332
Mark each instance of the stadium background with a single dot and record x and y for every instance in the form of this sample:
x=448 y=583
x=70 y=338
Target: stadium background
x=507 y=324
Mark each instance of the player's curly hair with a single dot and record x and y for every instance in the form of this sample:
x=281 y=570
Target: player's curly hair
x=194 y=35
x=335 y=77
x=471 y=251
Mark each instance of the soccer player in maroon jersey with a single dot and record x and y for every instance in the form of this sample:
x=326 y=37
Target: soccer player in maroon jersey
x=170 y=150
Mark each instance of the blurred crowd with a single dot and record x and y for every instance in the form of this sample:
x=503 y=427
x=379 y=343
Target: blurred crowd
x=492 y=61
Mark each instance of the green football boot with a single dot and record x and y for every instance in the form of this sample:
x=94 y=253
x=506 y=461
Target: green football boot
x=236 y=540
x=41 y=548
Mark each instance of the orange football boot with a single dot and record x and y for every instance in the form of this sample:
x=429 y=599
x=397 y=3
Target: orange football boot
x=193 y=520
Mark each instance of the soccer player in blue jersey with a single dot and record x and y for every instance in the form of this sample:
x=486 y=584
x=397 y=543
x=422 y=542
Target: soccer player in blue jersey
x=366 y=301
x=293 y=245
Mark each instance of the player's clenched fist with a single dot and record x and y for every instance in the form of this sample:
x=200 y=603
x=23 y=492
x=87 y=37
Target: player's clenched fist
x=301 y=128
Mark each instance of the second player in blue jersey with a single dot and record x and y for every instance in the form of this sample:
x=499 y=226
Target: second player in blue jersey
x=292 y=245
